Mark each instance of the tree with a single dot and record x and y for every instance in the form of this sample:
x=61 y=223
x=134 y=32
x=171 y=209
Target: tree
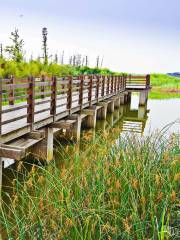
x=1 y=51
x=45 y=49
x=62 y=58
x=97 y=62
x=16 y=49
x=86 y=64
x=56 y=58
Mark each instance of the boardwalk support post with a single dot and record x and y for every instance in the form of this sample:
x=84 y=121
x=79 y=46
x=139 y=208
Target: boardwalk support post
x=102 y=113
x=90 y=120
x=44 y=149
x=75 y=132
x=122 y=99
x=110 y=108
x=117 y=102
x=143 y=97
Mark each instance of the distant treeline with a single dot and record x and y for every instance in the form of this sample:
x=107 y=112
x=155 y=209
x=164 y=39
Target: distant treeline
x=13 y=62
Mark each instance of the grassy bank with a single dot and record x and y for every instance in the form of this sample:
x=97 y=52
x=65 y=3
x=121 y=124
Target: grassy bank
x=110 y=191
x=163 y=81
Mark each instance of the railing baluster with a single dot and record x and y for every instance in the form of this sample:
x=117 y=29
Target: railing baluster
x=81 y=91
x=53 y=96
x=31 y=101
x=90 y=90
x=11 y=91
x=69 y=94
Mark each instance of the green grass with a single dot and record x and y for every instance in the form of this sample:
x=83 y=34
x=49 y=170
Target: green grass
x=160 y=94
x=110 y=191
x=165 y=81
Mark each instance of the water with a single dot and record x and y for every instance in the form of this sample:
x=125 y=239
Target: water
x=161 y=113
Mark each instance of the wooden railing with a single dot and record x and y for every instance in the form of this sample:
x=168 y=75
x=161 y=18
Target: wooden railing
x=31 y=100
x=138 y=82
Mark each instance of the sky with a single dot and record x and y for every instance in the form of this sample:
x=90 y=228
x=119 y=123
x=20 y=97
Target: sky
x=137 y=36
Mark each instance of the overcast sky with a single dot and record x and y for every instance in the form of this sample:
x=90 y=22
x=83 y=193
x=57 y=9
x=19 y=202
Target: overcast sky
x=140 y=36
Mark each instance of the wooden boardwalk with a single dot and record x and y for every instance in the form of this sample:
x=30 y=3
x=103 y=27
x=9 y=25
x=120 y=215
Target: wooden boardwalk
x=27 y=105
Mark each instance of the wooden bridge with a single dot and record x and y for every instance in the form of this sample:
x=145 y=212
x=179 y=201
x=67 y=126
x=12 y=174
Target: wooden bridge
x=33 y=110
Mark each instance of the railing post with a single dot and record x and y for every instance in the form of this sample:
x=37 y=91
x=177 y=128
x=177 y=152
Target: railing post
x=147 y=81
x=97 y=88
x=69 y=94
x=31 y=102
x=119 y=80
x=124 y=82
x=11 y=91
x=81 y=91
x=112 y=84
x=115 y=84
x=90 y=90
x=108 y=85
x=43 y=87
x=0 y=108
x=103 y=86
x=53 y=96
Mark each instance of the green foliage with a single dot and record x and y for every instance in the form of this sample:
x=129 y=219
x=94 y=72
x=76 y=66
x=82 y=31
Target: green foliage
x=36 y=68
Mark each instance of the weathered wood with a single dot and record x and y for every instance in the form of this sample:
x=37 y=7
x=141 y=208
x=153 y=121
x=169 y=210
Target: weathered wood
x=69 y=94
x=64 y=124
x=75 y=132
x=0 y=108
x=81 y=90
x=102 y=113
x=90 y=90
x=30 y=102
x=12 y=152
x=54 y=104
x=53 y=96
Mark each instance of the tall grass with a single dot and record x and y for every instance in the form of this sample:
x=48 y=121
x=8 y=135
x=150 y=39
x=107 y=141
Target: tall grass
x=122 y=187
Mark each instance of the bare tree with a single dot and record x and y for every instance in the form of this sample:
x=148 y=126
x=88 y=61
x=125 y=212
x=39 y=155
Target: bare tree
x=1 y=50
x=102 y=60
x=45 y=49
x=70 y=60
x=87 y=62
x=62 y=58
x=97 y=62
x=56 y=58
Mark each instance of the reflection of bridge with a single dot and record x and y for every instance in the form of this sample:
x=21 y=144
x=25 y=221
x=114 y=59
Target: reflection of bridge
x=135 y=120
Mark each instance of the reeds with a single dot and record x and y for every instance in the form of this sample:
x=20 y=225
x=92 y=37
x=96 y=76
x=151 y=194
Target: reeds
x=127 y=190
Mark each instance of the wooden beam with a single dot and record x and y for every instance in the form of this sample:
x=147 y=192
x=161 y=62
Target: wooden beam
x=13 y=152
x=64 y=124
